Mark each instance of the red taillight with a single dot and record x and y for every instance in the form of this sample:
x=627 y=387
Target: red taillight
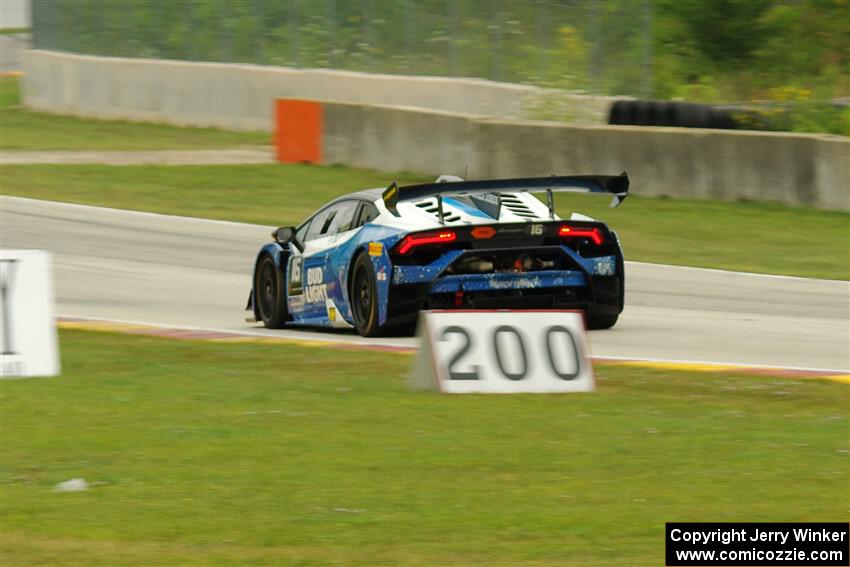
x=411 y=241
x=574 y=232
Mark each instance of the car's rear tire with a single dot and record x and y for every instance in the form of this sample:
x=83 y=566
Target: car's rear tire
x=269 y=296
x=363 y=297
x=597 y=321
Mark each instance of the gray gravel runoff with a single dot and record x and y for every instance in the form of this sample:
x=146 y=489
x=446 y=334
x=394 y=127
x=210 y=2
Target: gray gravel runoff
x=185 y=272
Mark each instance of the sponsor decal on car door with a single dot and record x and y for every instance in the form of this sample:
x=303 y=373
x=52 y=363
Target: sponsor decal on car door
x=314 y=278
x=307 y=286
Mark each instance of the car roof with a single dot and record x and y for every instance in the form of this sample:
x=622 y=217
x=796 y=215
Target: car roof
x=518 y=207
x=370 y=195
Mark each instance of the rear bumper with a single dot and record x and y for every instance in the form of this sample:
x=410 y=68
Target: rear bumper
x=535 y=290
x=594 y=285
x=509 y=281
x=431 y=273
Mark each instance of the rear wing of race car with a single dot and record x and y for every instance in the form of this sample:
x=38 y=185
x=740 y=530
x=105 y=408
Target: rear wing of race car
x=487 y=192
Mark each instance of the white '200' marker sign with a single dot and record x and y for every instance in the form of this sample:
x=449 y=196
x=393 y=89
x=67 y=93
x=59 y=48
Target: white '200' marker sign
x=503 y=352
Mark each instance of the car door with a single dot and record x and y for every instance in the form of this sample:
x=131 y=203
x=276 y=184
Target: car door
x=311 y=275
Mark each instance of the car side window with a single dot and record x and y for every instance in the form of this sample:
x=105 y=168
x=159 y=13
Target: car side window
x=343 y=220
x=301 y=233
x=341 y=217
x=320 y=224
x=368 y=213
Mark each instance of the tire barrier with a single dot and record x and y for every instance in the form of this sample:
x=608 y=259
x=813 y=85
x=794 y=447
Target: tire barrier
x=676 y=114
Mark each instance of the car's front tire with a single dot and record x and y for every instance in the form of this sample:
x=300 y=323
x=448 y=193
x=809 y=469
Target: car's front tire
x=363 y=297
x=269 y=295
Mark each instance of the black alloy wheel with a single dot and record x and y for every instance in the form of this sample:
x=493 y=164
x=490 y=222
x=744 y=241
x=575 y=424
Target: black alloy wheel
x=268 y=294
x=363 y=297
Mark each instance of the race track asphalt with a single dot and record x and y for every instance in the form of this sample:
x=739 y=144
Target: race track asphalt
x=185 y=272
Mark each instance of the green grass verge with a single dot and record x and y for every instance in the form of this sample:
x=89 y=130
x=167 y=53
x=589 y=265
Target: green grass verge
x=26 y=130
x=756 y=237
x=265 y=194
x=223 y=454
x=742 y=236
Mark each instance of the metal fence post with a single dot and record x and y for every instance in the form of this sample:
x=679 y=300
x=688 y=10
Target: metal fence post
x=259 y=31
x=540 y=33
x=451 y=14
x=292 y=35
x=368 y=24
x=330 y=17
x=649 y=44
x=496 y=47
x=409 y=35
x=595 y=47
x=36 y=39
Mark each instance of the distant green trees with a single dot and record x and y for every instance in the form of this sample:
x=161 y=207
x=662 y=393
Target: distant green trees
x=745 y=48
x=791 y=58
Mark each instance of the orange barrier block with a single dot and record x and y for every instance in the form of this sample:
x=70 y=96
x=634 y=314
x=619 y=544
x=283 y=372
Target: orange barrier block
x=298 y=132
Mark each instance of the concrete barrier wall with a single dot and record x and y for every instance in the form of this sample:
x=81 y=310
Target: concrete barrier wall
x=11 y=47
x=238 y=97
x=762 y=166
x=399 y=139
x=794 y=169
x=832 y=173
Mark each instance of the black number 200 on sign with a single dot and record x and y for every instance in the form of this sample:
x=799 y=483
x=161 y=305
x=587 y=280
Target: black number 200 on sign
x=553 y=339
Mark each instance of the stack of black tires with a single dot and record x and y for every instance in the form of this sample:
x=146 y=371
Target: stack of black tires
x=667 y=113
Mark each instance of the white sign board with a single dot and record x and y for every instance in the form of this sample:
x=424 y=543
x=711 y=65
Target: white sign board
x=27 y=323
x=502 y=352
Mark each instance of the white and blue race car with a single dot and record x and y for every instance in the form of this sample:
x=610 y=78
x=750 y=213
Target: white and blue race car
x=372 y=260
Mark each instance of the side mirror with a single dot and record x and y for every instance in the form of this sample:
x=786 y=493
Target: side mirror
x=284 y=234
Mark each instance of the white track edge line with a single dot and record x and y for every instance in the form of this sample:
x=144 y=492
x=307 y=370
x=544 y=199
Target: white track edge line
x=145 y=214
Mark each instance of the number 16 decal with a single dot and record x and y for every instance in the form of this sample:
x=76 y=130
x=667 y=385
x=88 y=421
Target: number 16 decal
x=295 y=265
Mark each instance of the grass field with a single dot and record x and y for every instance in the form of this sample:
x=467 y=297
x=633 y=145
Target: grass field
x=222 y=454
x=26 y=130
x=755 y=237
